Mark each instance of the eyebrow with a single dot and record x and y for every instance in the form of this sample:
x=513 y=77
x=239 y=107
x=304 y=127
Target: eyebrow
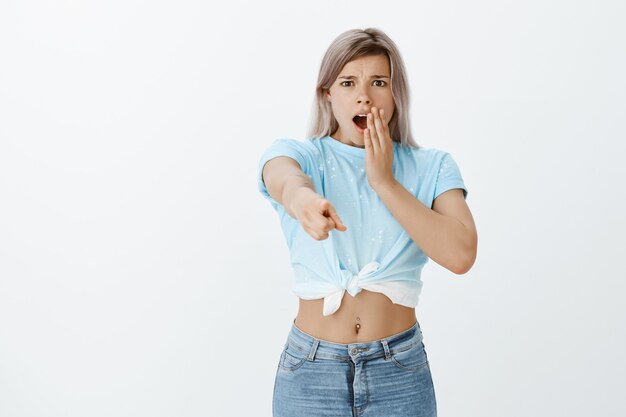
x=348 y=77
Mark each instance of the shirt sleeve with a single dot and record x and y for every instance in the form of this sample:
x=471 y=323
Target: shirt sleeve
x=282 y=147
x=449 y=177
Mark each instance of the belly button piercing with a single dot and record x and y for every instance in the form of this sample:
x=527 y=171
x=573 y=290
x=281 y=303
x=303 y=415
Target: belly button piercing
x=358 y=326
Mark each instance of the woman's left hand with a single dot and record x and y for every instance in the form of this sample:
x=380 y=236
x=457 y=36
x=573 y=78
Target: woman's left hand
x=378 y=150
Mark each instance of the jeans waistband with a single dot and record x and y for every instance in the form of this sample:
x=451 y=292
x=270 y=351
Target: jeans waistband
x=386 y=346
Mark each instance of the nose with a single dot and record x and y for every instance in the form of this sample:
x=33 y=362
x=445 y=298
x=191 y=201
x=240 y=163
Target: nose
x=363 y=97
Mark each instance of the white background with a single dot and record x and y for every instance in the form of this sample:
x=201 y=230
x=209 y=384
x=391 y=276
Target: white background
x=143 y=274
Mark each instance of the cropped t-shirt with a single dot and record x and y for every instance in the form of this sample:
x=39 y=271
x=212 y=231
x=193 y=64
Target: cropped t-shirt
x=374 y=253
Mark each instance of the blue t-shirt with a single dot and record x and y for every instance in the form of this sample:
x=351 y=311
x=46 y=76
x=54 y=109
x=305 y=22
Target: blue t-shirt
x=374 y=253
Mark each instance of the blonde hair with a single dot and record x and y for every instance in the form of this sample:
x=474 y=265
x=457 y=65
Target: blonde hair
x=346 y=47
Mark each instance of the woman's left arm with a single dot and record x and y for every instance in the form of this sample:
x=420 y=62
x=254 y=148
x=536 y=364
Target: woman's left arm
x=446 y=234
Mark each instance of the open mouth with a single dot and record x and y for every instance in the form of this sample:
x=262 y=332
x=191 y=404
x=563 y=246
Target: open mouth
x=360 y=122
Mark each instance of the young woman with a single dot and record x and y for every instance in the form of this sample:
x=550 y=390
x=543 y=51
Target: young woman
x=362 y=208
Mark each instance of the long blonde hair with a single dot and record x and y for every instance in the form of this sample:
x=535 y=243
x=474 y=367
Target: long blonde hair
x=346 y=47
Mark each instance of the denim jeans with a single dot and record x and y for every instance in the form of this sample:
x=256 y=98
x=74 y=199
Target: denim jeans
x=389 y=377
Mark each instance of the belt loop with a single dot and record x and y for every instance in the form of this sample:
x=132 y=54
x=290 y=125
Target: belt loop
x=386 y=348
x=311 y=355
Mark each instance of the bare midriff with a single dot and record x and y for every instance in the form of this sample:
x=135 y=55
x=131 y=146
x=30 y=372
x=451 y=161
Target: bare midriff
x=368 y=317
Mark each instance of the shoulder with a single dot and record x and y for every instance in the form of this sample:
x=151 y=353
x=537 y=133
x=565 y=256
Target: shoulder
x=304 y=152
x=425 y=157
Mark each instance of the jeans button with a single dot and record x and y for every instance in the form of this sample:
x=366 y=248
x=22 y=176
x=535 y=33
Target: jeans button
x=354 y=350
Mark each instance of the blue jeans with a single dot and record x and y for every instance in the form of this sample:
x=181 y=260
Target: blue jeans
x=389 y=377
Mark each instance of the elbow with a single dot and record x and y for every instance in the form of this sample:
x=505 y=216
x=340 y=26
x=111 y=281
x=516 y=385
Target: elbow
x=465 y=260
x=464 y=263
x=461 y=268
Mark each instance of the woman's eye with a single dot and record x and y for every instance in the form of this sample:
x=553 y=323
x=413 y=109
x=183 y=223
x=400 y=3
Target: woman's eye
x=381 y=81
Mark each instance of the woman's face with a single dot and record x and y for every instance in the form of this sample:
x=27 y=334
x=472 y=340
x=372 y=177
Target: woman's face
x=362 y=84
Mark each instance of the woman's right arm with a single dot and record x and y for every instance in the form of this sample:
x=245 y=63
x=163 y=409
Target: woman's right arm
x=283 y=177
x=293 y=189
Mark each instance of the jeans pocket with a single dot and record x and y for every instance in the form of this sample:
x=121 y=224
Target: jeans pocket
x=411 y=357
x=292 y=357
